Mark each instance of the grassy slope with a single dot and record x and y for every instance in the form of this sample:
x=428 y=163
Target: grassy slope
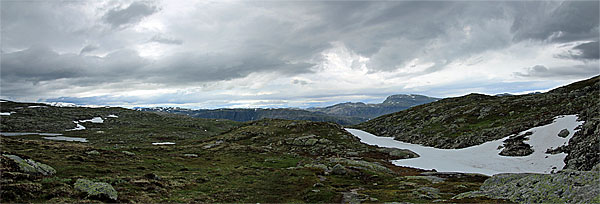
x=256 y=162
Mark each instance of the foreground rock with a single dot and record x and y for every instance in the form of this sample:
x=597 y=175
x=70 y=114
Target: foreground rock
x=567 y=186
x=97 y=190
x=30 y=166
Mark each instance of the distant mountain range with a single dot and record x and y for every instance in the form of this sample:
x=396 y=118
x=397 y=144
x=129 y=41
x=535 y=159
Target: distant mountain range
x=343 y=113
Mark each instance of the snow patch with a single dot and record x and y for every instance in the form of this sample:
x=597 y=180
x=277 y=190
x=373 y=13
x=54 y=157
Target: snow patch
x=485 y=158
x=93 y=120
x=61 y=104
x=79 y=127
x=163 y=143
x=37 y=106
x=112 y=116
x=7 y=113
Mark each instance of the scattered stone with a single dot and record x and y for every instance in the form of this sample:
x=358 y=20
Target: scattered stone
x=360 y=164
x=352 y=154
x=128 y=153
x=208 y=146
x=339 y=169
x=428 y=193
x=99 y=190
x=93 y=152
x=563 y=133
x=152 y=176
x=317 y=166
x=30 y=166
x=190 y=155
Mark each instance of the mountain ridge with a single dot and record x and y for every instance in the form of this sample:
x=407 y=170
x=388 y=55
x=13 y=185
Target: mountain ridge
x=348 y=113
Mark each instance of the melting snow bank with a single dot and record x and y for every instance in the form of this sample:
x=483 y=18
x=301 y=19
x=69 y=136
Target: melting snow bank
x=7 y=113
x=484 y=158
x=163 y=143
x=112 y=116
x=81 y=127
x=93 y=120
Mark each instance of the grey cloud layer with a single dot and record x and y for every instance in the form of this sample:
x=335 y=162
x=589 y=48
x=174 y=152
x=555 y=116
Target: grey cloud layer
x=579 y=71
x=224 y=41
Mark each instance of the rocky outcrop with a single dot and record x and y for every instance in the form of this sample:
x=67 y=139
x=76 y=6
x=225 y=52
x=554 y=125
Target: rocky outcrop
x=30 y=166
x=399 y=153
x=567 y=186
x=584 y=147
x=98 y=190
x=515 y=146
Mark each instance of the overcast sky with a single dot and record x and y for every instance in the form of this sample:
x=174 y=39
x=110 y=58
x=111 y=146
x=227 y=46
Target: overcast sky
x=208 y=54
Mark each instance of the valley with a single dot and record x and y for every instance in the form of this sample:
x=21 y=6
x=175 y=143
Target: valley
x=110 y=154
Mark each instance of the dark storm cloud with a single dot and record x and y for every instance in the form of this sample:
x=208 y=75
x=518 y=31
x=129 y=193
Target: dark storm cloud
x=588 y=51
x=37 y=65
x=189 y=68
x=578 y=71
x=133 y=13
x=563 y=22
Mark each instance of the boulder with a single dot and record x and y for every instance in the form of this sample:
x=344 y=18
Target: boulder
x=128 y=153
x=339 y=169
x=99 y=190
x=93 y=152
x=30 y=166
x=563 y=133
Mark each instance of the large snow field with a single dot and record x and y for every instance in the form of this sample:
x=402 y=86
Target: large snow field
x=484 y=158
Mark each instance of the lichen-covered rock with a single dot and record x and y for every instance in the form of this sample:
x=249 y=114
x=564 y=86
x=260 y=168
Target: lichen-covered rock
x=401 y=153
x=360 y=164
x=190 y=155
x=515 y=146
x=563 y=133
x=567 y=186
x=31 y=167
x=339 y=169
x=98 y=190
x=428 y=193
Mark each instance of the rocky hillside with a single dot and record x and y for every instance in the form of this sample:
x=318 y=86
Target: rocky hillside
x=393 y=103
x=252 y=114
x=475 y=118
